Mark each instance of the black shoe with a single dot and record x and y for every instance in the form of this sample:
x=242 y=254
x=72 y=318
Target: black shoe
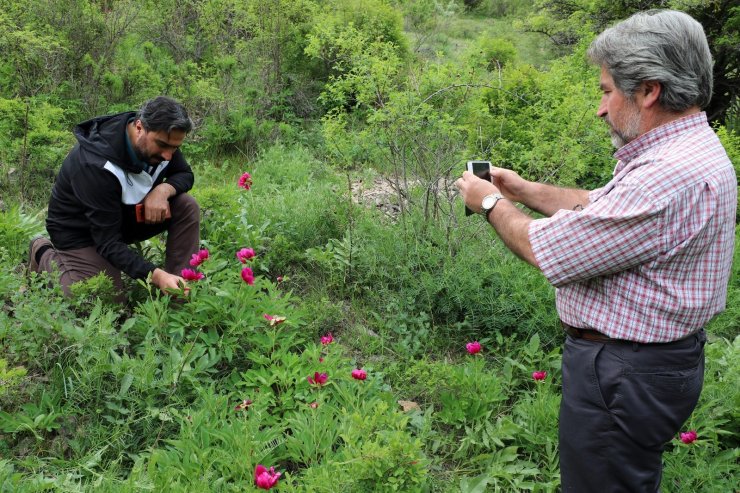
x=36 y=248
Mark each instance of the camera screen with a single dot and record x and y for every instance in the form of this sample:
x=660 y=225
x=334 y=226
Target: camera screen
x=481 y=169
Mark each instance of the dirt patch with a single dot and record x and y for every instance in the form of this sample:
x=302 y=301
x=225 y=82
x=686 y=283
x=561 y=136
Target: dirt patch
x=383 y=194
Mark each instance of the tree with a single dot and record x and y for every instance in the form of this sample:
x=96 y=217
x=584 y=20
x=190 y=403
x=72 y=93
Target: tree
x=567 y=22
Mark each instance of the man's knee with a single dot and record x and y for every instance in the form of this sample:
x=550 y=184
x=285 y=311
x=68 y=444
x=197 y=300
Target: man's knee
x=185 y=205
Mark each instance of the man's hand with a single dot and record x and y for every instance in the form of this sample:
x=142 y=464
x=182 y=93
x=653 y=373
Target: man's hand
x=473 y=189
x=156 y=203
x=168 y=282
x=512 y=186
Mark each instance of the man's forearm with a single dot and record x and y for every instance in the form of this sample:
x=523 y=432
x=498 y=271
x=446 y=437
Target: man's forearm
x=512 y=226
x=548 y=199
x=165 y=189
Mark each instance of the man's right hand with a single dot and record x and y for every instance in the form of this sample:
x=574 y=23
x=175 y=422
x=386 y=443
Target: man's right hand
x=168 y=282
x=543 y=198
x=512 y=186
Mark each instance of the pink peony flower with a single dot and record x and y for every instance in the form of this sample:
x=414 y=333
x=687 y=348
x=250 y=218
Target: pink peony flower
x=245 y=254
x=192 y=275
x=359 y=374
x=318 y=378
x=248 y=275
x=245 y=181
x=199 y=258
x=279 y=279
x=689 y=436
x=327 y=339
x=265 y=479
x=473 y=347
x=539 y=375
x=314 y=405
x=243 y=405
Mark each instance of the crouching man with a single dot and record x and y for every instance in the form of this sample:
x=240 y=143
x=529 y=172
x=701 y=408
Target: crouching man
x=121 y=161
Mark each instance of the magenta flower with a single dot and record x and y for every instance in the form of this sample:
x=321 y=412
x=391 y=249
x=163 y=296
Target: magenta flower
x=245 y=181
x=279 y=279
x=318 y=378
x=192 y=275
x=359 y=374
x=248 y=275
x=539 y=375
x=689 y=436
x=327 y=339
x=245 y=254
x=243 y=405
x=314 y=405
x=265 y=479
x=199 y=258
x=473 y=347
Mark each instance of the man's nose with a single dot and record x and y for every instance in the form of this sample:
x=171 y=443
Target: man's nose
x=601 y=111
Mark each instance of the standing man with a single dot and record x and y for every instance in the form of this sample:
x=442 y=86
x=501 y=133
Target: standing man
x=120 y=161
x=640 y=265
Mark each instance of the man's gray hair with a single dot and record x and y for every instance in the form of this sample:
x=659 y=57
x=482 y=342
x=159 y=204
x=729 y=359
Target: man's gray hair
x=666 y=46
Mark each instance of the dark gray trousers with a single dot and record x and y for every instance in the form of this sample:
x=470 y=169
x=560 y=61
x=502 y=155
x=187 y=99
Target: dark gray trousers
x=183 y=239
x=621 y=404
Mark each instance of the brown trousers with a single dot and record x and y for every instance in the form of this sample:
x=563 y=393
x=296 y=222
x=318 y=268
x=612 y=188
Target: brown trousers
x=183 y=239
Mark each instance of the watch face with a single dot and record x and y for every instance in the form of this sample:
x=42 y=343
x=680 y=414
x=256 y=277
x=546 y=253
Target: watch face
x=488 y=202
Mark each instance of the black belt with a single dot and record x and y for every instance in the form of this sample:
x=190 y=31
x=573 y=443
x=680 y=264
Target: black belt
x=588 y=334
x=596 y=336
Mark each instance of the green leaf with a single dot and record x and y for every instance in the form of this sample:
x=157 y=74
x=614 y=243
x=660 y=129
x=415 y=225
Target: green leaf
x=126 y=381
x=474 y=485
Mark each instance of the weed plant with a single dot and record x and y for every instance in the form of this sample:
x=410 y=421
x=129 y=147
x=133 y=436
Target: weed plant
x=165 y=395
x=157 y=395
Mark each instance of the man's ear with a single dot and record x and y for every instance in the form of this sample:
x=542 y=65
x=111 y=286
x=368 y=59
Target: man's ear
x=650 y=91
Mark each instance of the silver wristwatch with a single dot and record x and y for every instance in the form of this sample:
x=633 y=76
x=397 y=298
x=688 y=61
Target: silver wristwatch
x=489 y=202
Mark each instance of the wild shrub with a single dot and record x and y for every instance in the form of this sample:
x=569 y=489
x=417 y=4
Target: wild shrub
x=32 y=147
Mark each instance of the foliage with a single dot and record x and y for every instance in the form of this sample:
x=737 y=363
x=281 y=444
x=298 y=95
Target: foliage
x=16 y=227
x=32 y=146
x=353 y=130
x=568 y=23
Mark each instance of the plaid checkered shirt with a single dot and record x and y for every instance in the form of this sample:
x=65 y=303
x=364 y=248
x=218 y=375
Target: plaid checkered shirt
x=648 y=259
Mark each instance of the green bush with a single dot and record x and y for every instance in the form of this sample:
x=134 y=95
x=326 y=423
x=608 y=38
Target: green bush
x=33 y=145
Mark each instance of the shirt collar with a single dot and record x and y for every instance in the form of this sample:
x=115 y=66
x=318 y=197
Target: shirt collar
x=656 y=136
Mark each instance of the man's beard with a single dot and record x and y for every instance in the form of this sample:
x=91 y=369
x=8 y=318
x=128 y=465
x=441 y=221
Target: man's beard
x=628 y=131
x=147 y=158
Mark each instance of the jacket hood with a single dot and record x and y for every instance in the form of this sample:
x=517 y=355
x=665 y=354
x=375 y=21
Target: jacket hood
x=105 y=136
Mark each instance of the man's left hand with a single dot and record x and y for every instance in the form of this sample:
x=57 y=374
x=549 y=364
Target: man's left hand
x=157 y=205
x=473 y=189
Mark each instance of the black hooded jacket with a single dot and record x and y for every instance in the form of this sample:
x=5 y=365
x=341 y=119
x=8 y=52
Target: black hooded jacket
x=97 y=188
